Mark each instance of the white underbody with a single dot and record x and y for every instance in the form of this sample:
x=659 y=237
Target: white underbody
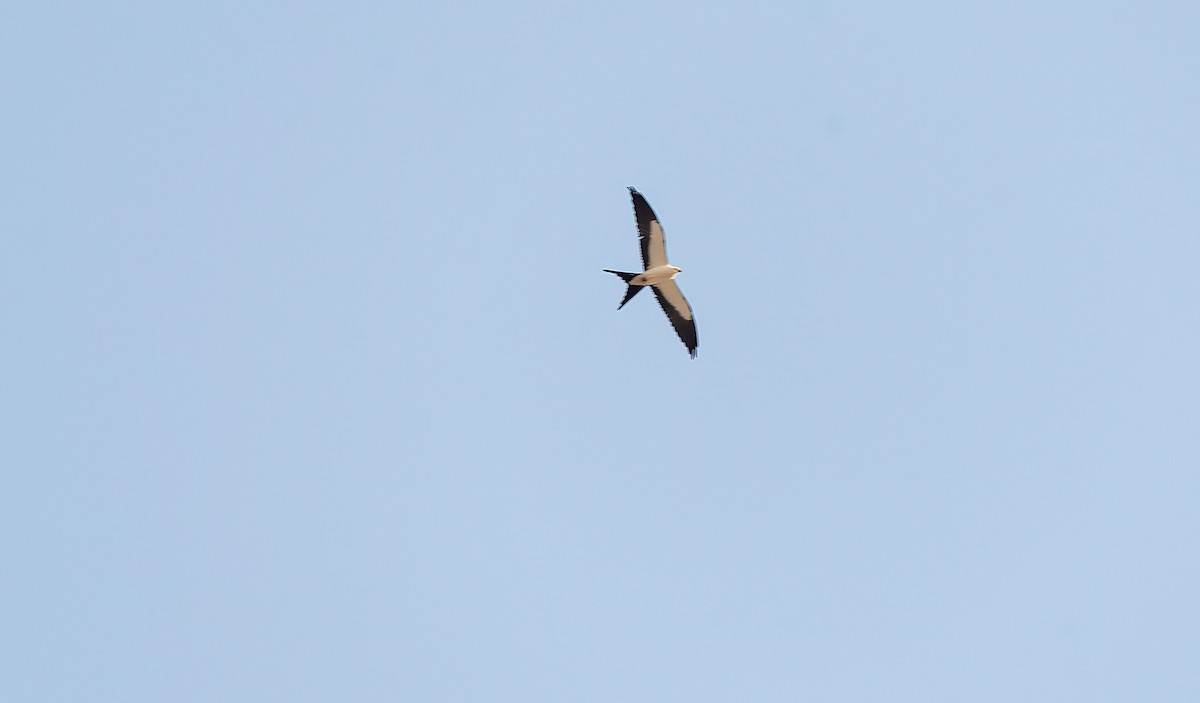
x=654 y=276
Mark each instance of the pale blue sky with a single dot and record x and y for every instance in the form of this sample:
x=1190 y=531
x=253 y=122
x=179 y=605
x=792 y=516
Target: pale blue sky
x=315 y=390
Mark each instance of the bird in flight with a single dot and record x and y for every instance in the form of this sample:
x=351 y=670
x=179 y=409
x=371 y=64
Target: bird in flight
x=659 y=274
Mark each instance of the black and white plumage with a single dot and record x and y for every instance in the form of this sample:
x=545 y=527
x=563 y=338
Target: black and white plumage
x=658 y=274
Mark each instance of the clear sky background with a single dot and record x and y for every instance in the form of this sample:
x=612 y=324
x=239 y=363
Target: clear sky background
x=314 y=389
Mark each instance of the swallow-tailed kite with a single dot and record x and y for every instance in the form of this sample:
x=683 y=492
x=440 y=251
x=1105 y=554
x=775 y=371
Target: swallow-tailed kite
x=658 y=274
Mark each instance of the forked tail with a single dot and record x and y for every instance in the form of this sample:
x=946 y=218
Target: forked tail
x=630 y=291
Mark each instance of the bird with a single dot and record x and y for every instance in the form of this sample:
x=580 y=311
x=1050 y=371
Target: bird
x=658 y=274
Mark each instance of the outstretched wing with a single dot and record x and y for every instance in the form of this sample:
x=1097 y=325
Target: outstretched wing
x=679 y=313
x=650 y=232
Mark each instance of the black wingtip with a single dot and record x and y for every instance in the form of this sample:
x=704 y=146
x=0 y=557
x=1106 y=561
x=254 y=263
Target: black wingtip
x=632 y=189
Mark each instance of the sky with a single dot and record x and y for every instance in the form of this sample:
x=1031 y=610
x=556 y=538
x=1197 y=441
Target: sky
x=314 y=389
